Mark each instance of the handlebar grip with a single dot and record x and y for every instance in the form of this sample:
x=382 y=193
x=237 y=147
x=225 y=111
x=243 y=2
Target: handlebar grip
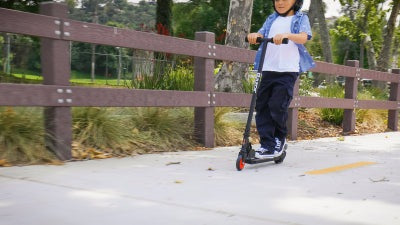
x=261 y=40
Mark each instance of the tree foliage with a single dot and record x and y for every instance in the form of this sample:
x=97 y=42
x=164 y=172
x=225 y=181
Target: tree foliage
x=26 y=5
x=361 y=19
x=164 y=17
x=212 y=15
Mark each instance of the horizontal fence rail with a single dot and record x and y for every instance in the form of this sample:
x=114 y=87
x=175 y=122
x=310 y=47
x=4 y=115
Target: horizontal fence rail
x=71 y=30
x=56 y=94
x=45 y=95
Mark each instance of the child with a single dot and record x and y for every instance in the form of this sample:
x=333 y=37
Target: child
x=281 y=67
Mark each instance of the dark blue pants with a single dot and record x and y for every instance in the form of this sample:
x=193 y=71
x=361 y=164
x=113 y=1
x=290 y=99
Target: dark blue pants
x=273 y=98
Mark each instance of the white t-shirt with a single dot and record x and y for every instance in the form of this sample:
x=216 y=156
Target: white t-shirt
x=284 y=57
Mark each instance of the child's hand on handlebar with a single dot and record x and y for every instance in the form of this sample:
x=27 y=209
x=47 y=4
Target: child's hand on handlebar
x=279 y=38
x=252 y=37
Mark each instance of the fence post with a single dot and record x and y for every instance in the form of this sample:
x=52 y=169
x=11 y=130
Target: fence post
x=56 y=71
x=393 y=115
x=350 y=92
x=293 y=115
x=204 y=81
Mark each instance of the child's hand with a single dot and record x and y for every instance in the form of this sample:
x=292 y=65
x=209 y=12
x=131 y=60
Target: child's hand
x=279 y=37
x=252 y=37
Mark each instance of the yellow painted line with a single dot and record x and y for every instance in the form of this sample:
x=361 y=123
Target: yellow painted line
x=339 y=168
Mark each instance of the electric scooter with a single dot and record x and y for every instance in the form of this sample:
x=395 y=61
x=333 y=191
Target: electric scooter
x=247 y=153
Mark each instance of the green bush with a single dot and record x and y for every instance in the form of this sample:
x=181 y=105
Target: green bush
x=334 y=116
x=369 y=115
x=181 y=78
x=372 y=93
x=306 y=85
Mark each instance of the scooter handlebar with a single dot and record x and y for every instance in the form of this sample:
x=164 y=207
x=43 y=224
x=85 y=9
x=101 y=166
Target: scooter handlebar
x=271 y=40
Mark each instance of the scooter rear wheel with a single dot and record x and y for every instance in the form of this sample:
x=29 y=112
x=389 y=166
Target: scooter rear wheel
x=240 y=163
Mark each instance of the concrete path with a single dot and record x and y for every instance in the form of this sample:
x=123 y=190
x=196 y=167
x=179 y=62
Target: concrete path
x=361 y=186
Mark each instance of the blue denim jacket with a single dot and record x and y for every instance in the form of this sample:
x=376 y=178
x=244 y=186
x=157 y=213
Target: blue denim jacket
x=300 y=23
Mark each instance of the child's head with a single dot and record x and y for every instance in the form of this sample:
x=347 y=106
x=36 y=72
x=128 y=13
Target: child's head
x=287 y=7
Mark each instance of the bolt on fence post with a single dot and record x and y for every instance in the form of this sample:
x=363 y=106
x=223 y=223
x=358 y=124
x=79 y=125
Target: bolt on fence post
x=349 y=116
x=393 y=115
x=293 y=115
x=204 y=81
x=56 y=71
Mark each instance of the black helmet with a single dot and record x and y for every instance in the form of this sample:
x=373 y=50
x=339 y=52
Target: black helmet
x=297 y=6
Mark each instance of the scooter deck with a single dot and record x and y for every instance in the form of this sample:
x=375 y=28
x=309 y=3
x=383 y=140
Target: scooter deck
x=255 y=160
x=251 y=159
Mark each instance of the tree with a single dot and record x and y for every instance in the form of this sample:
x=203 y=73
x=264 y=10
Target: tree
x=317 y=12
x=396 y=47
x=163 y=25
x=164 y=17
x=201 y=15
x=361 y=28
x=27 y=6
x=317 y=16
x=231 y=75
x=384 y=57
x=212 y=15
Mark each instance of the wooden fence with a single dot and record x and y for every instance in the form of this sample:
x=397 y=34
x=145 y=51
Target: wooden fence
x=57 y=96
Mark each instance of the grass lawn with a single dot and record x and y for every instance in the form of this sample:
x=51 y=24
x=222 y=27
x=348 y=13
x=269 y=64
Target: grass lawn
x=77 y=78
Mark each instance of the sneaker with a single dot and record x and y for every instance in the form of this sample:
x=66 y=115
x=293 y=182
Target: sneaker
x=280 y=144
x=264 y=153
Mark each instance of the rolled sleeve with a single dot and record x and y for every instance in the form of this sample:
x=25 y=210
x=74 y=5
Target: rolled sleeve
x=306 y=27
x=263 y=28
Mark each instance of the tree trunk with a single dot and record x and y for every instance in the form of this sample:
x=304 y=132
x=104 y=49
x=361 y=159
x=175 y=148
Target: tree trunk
x=163 y=17
x=6 y=53
x=364 y=28
x=362 y=50
x=312 y=15
x=318 y=18
x=232 y=74
x=384 y=57
x=93 y=59
x=163 y=25
x=370 y=53
x=93 y=63
x=119 y=66
x=395 y=53
x=324 y=32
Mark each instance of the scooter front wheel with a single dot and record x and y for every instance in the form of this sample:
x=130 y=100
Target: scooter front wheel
x=240 y=162
x=281 y=158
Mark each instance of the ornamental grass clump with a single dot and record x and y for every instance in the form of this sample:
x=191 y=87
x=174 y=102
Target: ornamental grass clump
x=22 y=136
x=227 y=133
x=161 y=129
x=101 y=128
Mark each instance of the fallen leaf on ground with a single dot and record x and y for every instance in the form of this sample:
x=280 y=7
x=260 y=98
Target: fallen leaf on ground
x=4 y=163
x=173 y=163
x=380 y=180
